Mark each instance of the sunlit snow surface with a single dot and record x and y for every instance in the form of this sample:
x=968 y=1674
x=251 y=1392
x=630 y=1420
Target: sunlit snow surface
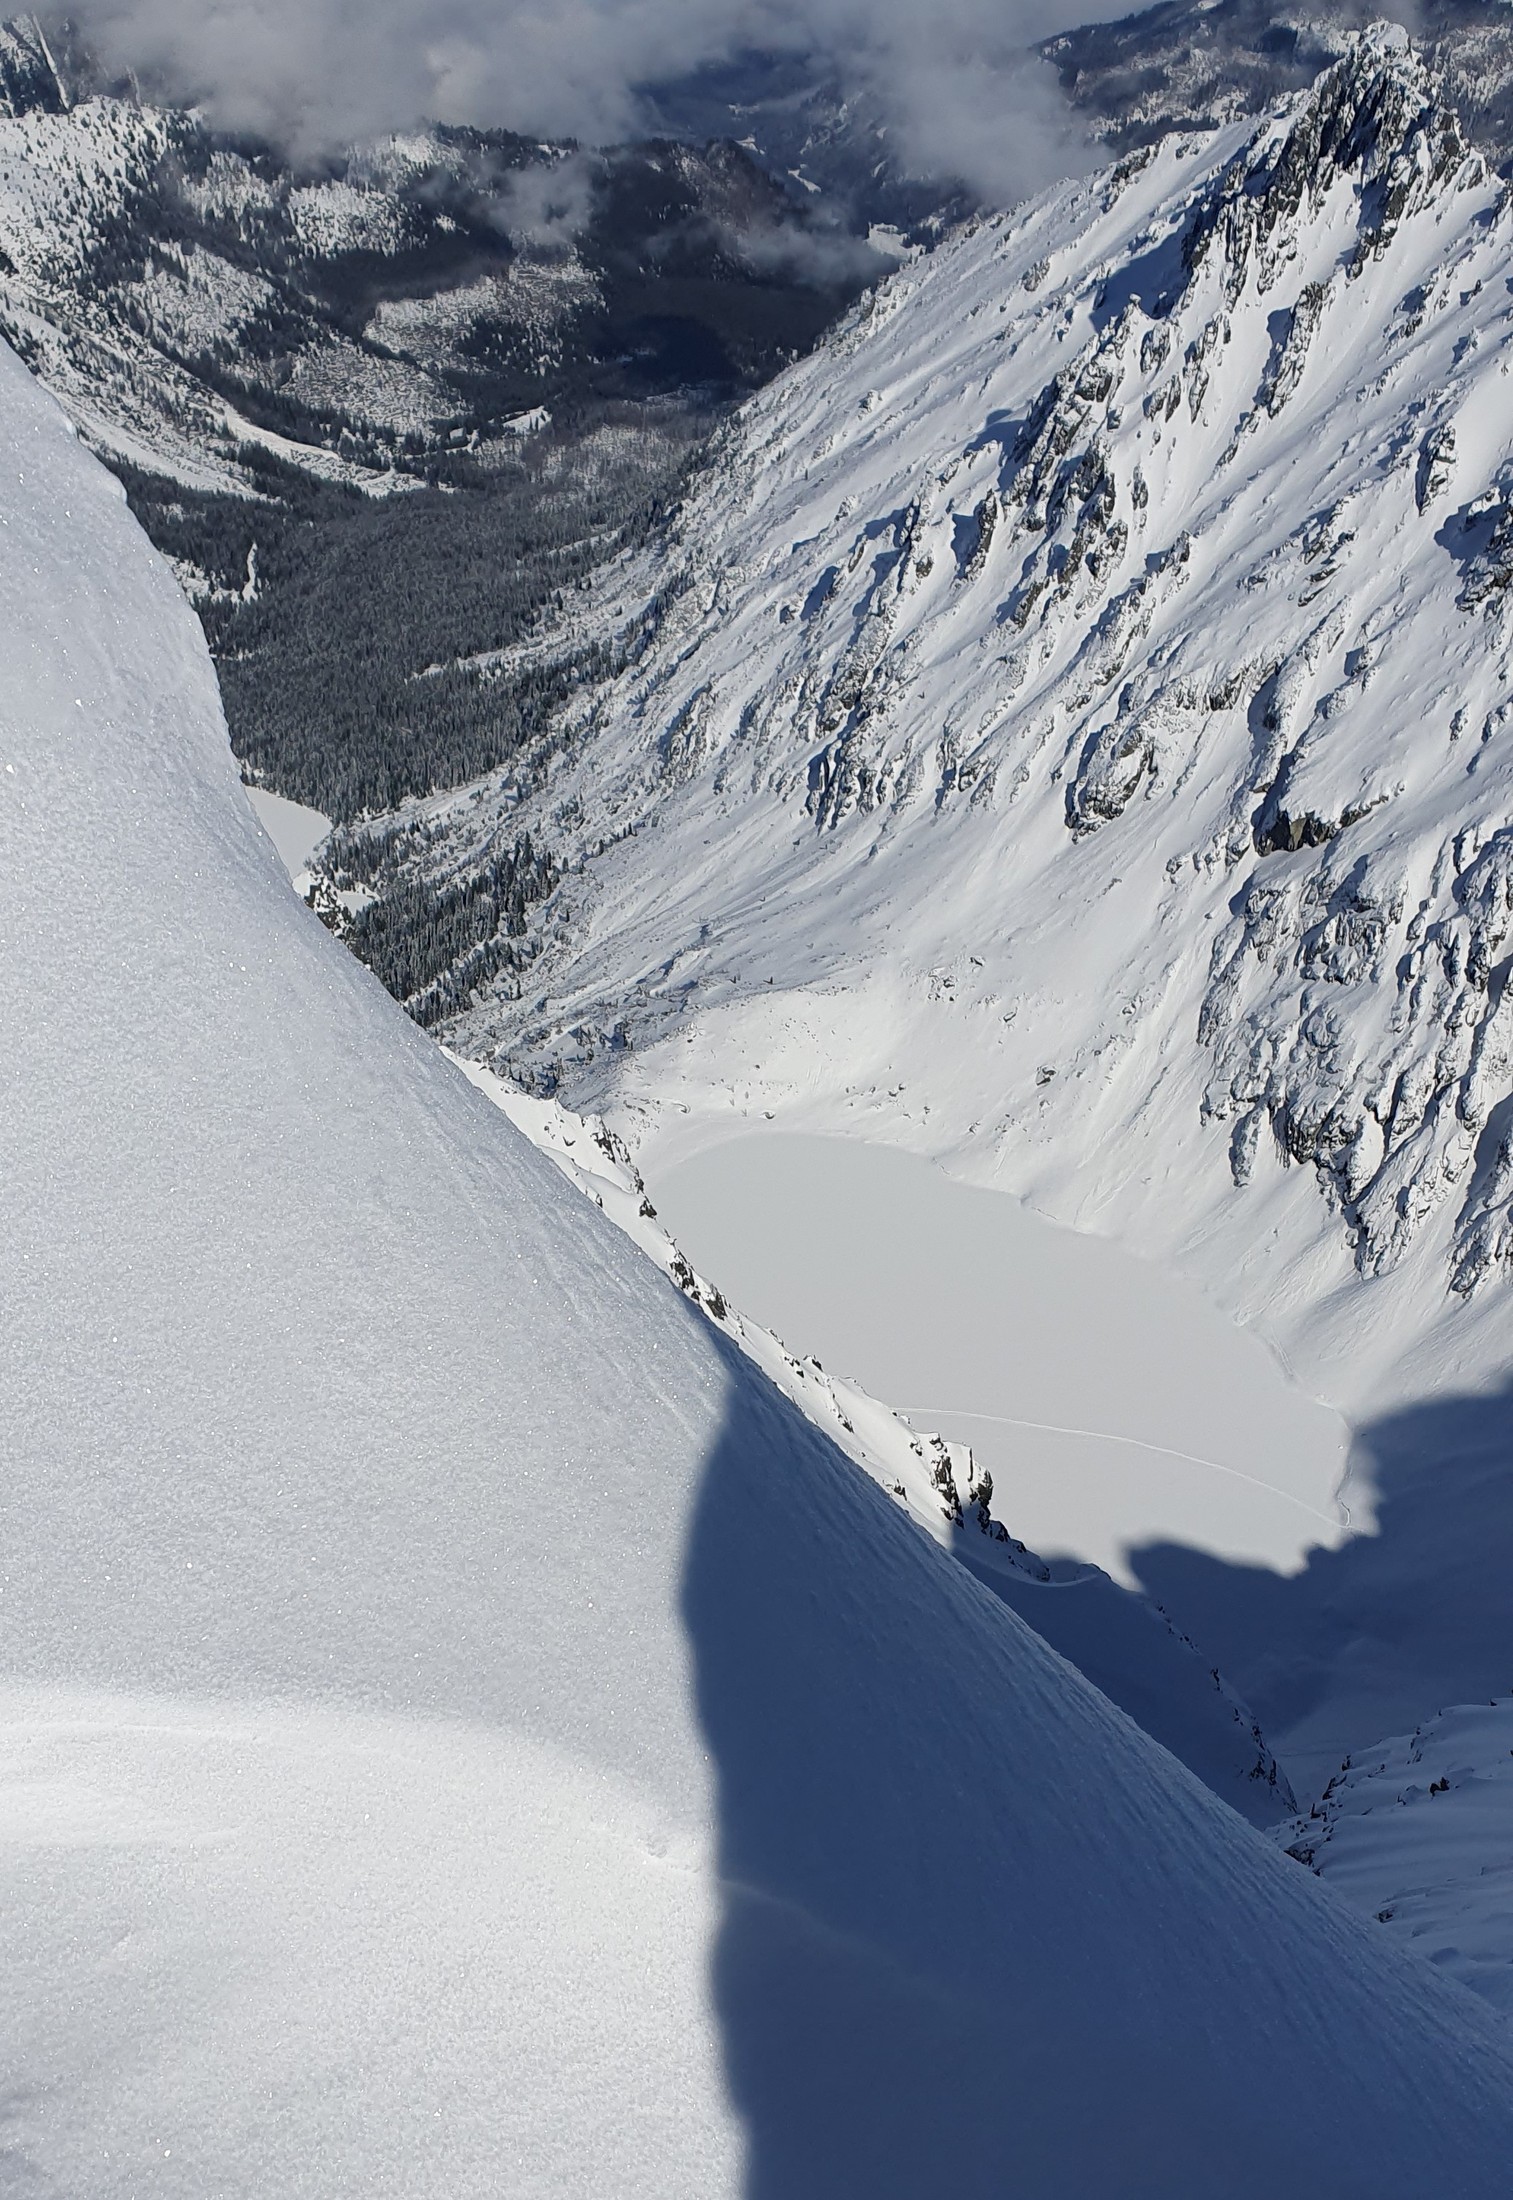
x=463 y=1734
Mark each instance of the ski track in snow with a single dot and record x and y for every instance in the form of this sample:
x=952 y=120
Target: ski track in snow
x=1138 y=1443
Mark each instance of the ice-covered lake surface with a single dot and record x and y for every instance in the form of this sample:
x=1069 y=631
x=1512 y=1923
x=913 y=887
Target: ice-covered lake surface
x=1115 y=1405
x=295 y=830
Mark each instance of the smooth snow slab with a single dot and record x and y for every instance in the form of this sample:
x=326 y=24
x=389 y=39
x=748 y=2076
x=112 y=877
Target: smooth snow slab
x=463 y=1733
x=368 y=1940
x=1113 y=1403
x=295 y=830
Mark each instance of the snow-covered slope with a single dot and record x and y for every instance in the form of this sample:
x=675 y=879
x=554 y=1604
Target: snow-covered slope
x=1415 y=1833
x=463 y=1733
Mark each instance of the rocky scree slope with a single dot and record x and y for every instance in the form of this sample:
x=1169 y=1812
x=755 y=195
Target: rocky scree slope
x=1091 y=672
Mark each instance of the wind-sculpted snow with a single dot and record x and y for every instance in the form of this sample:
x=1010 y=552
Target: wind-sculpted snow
x=463 y=1731
x=1095 y=664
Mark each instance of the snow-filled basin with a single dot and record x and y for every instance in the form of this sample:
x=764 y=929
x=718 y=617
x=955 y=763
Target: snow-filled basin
x=1115 y=1405
x=295 y=830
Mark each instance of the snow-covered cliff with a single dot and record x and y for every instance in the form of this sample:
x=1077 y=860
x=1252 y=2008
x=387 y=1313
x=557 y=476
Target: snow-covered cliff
x=462 y=1731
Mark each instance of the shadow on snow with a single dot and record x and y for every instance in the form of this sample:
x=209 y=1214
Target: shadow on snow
x=1393 y=1626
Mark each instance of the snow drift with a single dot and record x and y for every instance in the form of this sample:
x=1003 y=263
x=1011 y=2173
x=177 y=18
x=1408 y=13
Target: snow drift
x=463 y=1733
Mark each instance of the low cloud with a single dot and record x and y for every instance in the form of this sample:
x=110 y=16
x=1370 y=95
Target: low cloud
x=952 y=79
x=546 y=207
x=825 y=258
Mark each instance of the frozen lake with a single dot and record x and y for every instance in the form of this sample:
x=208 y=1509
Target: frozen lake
x=1114 y=1404
x=295 y=831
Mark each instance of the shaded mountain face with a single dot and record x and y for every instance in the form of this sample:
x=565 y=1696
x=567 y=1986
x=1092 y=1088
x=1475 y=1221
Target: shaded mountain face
x=1414 y=1834
x=790 y=112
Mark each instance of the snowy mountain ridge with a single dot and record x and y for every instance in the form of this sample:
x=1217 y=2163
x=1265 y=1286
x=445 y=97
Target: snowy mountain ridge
x=462 y=1730
x=1088 y=676
x=1181 y=66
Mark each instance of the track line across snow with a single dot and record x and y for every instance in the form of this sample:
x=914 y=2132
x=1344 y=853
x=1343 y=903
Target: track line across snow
x=1138 y=1443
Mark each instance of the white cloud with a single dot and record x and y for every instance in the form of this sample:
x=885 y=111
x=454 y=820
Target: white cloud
x=547 y=207
x=952 y=77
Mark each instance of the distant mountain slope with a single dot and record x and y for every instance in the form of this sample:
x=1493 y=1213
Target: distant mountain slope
x=792 y=112
x=1181 y=66
x=208 y=311
x=1120 y=591
x=462 y=1731
x=382 y=411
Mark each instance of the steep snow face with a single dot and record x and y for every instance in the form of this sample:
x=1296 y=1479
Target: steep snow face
x=463 y=1732
x=1080 y=693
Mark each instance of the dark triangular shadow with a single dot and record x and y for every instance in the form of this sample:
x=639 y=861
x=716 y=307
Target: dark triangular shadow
x=981 y=1937
x=1395 y=1625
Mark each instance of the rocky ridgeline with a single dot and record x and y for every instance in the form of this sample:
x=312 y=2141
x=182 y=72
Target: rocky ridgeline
x=1203 y=64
